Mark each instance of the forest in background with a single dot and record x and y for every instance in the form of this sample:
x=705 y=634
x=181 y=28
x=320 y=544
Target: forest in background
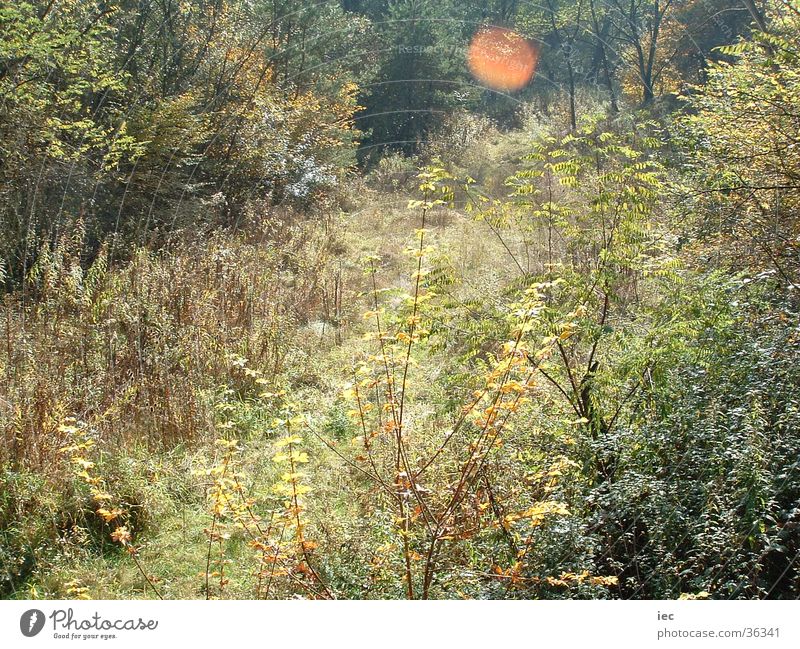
x=294 y=306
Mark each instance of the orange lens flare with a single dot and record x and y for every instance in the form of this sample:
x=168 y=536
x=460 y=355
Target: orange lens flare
x=501 y=59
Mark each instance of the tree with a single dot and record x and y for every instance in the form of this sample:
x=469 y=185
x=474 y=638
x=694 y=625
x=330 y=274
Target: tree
x=744 y=128
x=638 y=27
x=599 y=29
x=136 y=117
x=560 y=25
x=58 y=123
x=420 y=49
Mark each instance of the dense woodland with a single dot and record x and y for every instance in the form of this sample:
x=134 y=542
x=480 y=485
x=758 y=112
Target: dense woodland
x=316 y=300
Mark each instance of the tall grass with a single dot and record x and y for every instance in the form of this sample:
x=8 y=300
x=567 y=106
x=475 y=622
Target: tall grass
x=133 y=351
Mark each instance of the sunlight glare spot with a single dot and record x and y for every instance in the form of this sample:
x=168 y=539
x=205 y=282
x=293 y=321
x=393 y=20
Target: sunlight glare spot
x=502 y=59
